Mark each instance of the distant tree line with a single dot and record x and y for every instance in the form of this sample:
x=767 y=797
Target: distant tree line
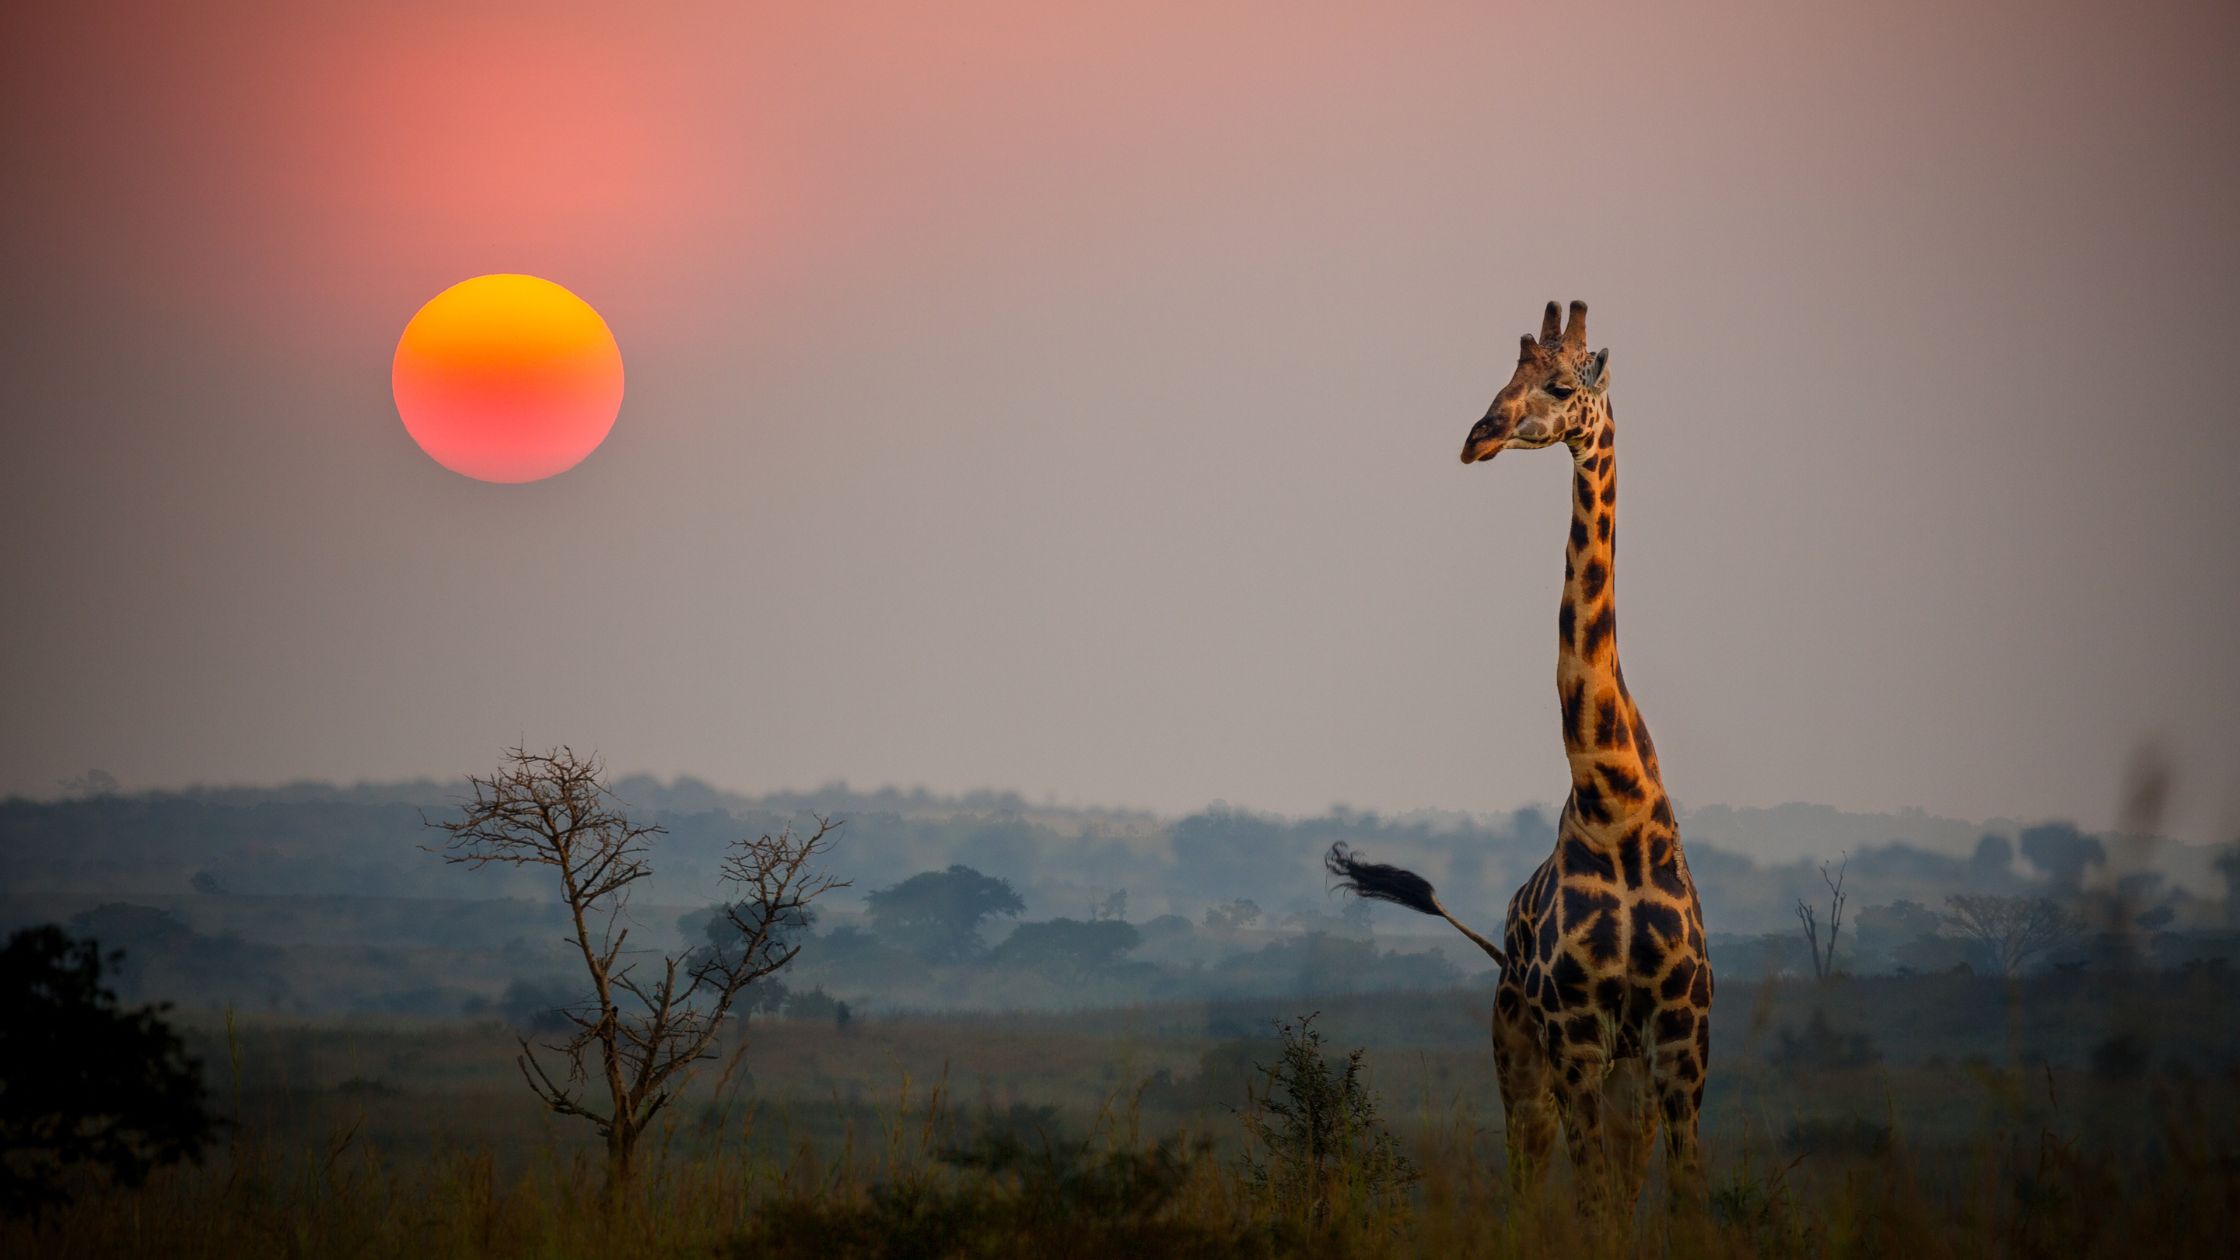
x=307 y=899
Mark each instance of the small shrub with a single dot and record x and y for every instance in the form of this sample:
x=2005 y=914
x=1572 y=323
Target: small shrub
x=1011 y=1196
x=1317 y=1150
x=814 y=1004
x=1760 y=1207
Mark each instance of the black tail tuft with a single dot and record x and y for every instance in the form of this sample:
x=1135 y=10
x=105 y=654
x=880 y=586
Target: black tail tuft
x=1379 y=882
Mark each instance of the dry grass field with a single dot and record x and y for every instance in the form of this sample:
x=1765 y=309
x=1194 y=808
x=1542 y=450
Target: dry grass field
x=1929 y=1116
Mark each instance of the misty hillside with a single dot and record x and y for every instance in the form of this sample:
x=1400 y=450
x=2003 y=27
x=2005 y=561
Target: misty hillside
x=321 y=897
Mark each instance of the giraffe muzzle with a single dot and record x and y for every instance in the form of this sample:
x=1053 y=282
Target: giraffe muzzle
x=1481 y=447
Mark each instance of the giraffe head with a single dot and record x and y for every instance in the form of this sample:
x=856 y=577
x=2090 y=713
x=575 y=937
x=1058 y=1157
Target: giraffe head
x=1556 y=395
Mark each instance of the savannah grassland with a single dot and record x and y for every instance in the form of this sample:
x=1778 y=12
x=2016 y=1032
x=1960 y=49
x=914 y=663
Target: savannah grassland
x=2062 y=1115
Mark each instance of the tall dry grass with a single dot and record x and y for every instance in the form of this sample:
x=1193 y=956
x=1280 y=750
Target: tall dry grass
x=1980 y=1157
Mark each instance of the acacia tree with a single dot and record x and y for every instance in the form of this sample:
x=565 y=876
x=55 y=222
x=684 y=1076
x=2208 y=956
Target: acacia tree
x=2015 y=928
x=937 y=914
x=641 y=1031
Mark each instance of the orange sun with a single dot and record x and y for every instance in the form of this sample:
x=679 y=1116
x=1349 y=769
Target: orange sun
x=507 y=378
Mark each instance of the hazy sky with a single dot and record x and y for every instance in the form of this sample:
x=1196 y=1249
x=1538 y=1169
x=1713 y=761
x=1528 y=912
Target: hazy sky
x=1067 y=397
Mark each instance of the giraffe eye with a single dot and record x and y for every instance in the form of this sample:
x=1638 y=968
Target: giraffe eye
x=1559 y=391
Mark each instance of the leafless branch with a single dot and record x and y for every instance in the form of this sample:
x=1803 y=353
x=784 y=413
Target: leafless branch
x=553 y=809
x=1824 y=957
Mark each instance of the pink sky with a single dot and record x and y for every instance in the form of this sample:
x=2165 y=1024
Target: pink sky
x=1064 y=397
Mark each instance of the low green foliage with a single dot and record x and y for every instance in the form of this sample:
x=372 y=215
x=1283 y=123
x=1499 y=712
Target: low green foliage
x=1318 y=1151
x=370 y=1139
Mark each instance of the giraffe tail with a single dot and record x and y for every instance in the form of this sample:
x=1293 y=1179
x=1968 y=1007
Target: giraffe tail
x=1378 y=882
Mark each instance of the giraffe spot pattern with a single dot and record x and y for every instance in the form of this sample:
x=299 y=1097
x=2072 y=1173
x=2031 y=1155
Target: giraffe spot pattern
x=1665 y=874
x=1581 y=859
x=1606 y=722
x=1605 y=939
x=1569 y=978
x=1587 y=803
x=1601 y=937
x=1598 y=631
x=1575 y=699
x=1620 y=780
x=1629 y=857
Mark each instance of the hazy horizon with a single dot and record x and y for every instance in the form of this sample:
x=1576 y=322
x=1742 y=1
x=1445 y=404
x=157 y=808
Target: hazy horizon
x=1067 y=401
x=1777 y=833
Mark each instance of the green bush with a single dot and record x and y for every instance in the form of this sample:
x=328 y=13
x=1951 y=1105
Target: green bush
x=1317 y=1151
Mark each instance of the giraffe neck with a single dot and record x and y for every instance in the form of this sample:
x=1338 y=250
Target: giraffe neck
x=1613 y=764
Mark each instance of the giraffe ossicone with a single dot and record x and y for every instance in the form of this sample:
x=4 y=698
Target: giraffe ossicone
x=1602 y=1015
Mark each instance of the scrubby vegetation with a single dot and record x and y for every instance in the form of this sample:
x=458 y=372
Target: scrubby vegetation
x=92 y=1094
x=1034 y=1032
x=1980 y=1120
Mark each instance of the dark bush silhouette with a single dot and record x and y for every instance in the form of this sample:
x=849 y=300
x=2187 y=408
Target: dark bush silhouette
x=1068 y=947
x=2064 y=853
x=1855 y=1138
x=134 y=934
x=1820 y=1047
x=1992 y=867
x=937 y=915
x=541 y=1005
x=818 y=1004
x=1232 y=916
x=1018 y=1195
x=87 y=1089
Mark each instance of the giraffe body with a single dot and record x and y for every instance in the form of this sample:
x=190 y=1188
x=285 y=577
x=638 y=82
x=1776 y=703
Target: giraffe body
x=1601 y=1019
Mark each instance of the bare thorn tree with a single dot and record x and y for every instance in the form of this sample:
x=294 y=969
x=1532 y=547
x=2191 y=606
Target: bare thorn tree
x=2015 y=928
x=1824 y=957
x=638 y=1036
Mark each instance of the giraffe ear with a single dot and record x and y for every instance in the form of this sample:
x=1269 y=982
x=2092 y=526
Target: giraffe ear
x=1597 y=372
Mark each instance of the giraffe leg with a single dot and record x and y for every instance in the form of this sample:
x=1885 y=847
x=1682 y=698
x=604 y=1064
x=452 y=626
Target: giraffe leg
x=1679 y=1076
x=1528 y=1108
x=1630 y=1113
x=1579 y=1086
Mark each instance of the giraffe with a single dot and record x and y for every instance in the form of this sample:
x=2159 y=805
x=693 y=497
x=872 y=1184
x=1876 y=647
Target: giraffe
x=1602 y=1015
